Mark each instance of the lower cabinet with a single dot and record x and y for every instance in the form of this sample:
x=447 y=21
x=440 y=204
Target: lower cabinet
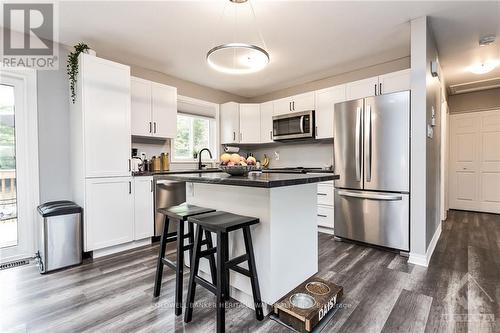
x=143 y=208
x=109 y=212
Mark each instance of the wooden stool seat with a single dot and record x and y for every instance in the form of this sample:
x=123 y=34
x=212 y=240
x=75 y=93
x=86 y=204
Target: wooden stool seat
x=180 y=214
x=222 y=223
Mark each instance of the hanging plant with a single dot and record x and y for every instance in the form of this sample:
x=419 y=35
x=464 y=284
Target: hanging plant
x=72 y=66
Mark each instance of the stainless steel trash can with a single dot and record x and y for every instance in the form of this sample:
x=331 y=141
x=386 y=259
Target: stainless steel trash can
x=60 y=243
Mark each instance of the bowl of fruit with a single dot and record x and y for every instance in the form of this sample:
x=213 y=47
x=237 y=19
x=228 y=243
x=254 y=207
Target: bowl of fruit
x=237 y=165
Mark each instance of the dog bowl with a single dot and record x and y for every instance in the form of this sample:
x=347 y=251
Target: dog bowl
x=317 y=288
x=302 y=301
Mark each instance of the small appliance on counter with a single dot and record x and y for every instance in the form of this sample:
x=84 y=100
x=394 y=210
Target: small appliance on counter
x=136 y=163
x=60 y=235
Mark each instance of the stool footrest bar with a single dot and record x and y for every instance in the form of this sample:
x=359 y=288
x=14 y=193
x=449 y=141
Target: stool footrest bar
x=205 y=284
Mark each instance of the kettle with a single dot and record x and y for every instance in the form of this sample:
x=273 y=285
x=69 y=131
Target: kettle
x=136 y=164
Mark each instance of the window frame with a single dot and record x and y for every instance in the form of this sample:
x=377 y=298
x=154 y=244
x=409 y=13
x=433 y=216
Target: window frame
x=213 y=142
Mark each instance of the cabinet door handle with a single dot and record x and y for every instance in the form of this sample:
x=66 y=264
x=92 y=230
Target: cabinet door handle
x=375 y=90
x=151 y=185
x=129 y=187
x=316 y=131
x=234 y=136
x=289 y=106
x=293 y=105
x=150 y=127
x=322 y=194
x=321 y=215
x=129 y=165
x=380 y=88
x=155 y=126
x=271 y=135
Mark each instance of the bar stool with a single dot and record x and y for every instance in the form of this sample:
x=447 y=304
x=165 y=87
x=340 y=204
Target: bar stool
x=180 y=214
x=222 y=223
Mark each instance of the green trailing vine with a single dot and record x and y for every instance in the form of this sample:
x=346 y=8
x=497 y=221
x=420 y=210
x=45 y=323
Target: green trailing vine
x=72 y=66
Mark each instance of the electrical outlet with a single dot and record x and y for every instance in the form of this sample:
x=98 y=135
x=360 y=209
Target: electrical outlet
x=277 y=155
x=430 y=131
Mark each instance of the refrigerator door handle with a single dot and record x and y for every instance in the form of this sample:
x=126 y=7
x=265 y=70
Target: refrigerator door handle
x=371 y=196
x=357 y=149
x=369 y=137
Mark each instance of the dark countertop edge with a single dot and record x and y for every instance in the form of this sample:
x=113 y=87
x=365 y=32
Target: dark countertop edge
x=172 y=172
x=260 y=184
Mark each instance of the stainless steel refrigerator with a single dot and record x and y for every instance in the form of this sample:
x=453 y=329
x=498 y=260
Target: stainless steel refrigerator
x=372 y=157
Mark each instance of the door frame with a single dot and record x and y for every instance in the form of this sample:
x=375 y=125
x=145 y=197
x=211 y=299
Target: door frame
x=26 y=164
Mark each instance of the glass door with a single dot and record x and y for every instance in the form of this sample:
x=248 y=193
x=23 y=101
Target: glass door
x=8 y=191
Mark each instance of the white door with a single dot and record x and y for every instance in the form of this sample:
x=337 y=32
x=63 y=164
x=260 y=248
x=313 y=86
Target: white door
x=395 y=81
x=303 y=102
x=249 y=123
x=164 y=110
x=143 y=207
x=106 y=109
x=141 y=123
x=266 y=122
x=325 y=101
x=18 y=165
x=475 y=161
x=230 y=123
x=362 y=88
x=109 y=212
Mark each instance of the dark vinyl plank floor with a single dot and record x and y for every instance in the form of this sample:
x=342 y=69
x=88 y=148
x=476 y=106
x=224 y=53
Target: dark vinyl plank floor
x=458 y=292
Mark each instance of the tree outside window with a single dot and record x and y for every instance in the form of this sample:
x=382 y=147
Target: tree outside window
x=193 y=134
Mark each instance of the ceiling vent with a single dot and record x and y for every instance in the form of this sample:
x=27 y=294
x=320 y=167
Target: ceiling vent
x=475 y=86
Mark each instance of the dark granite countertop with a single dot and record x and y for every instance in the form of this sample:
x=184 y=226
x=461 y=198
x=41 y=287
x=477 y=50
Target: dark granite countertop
x=254 y=179
x=170 y=172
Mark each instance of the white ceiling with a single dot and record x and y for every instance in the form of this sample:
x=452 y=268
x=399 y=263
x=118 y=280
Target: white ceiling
x=307 y=40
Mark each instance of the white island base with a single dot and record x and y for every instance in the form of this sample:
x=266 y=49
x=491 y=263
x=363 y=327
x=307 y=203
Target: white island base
x=285 y=241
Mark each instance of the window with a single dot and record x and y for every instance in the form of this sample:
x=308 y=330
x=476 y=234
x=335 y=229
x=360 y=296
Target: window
x=193 y=134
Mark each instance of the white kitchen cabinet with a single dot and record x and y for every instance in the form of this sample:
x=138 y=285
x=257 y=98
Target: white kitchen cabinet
x=325 y=101
x=102 y=117
x=154 y=109
x=140 y=107
x=296 y=103
x=164 y=110
x=325 y=215
x=249 y=123
x=143 y=208
x=109 y=212
x=393 y=82
x=362 y=88
x=266 y=122
x=230 y=123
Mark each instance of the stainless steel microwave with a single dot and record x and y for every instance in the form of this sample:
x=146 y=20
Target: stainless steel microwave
x=296 y=125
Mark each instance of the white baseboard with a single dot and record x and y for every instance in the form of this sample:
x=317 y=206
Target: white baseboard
x=423 y=260
x=325 y=230
x=120 y=248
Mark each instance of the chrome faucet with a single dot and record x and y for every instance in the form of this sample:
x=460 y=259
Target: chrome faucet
x=200 y=166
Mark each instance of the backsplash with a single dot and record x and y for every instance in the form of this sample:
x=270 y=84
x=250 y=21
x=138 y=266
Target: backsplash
x=314 y=154
x=151 y=147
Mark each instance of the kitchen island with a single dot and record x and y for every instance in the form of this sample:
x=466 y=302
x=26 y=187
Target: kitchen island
x=286 y=239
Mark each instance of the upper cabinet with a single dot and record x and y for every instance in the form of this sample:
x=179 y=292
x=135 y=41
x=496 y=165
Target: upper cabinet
x=266 y=122
x=249 y=123
x=325 y=101
x=101 y=119
x=378 y=85
x=297 y=103
x=362 y=88
x=229 y=123
x=393 y=82
x=154 y=109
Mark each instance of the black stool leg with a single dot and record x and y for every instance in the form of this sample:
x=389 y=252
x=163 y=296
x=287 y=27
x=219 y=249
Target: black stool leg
x=179 y=271
x=211 y=258
x=161 y=254
x=190 y=239
x=226 y=270
x=195 y=262
x=253 y=272
x=221 y=287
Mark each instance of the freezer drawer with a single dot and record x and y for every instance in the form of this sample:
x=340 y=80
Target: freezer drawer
x=377 y=218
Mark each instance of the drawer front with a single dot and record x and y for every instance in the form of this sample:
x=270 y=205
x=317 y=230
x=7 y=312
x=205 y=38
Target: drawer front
x=325 y=216
x=325 y=195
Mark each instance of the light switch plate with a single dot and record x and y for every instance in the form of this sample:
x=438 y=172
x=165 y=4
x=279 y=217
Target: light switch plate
x=430 y=131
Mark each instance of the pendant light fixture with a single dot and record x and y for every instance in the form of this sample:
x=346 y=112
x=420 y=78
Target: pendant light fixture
x=238 y=57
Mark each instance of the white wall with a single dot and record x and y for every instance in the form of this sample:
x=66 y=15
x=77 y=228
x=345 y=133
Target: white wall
x=53 y=132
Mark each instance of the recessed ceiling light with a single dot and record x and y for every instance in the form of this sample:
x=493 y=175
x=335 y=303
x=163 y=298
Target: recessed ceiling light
x=483 y=68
